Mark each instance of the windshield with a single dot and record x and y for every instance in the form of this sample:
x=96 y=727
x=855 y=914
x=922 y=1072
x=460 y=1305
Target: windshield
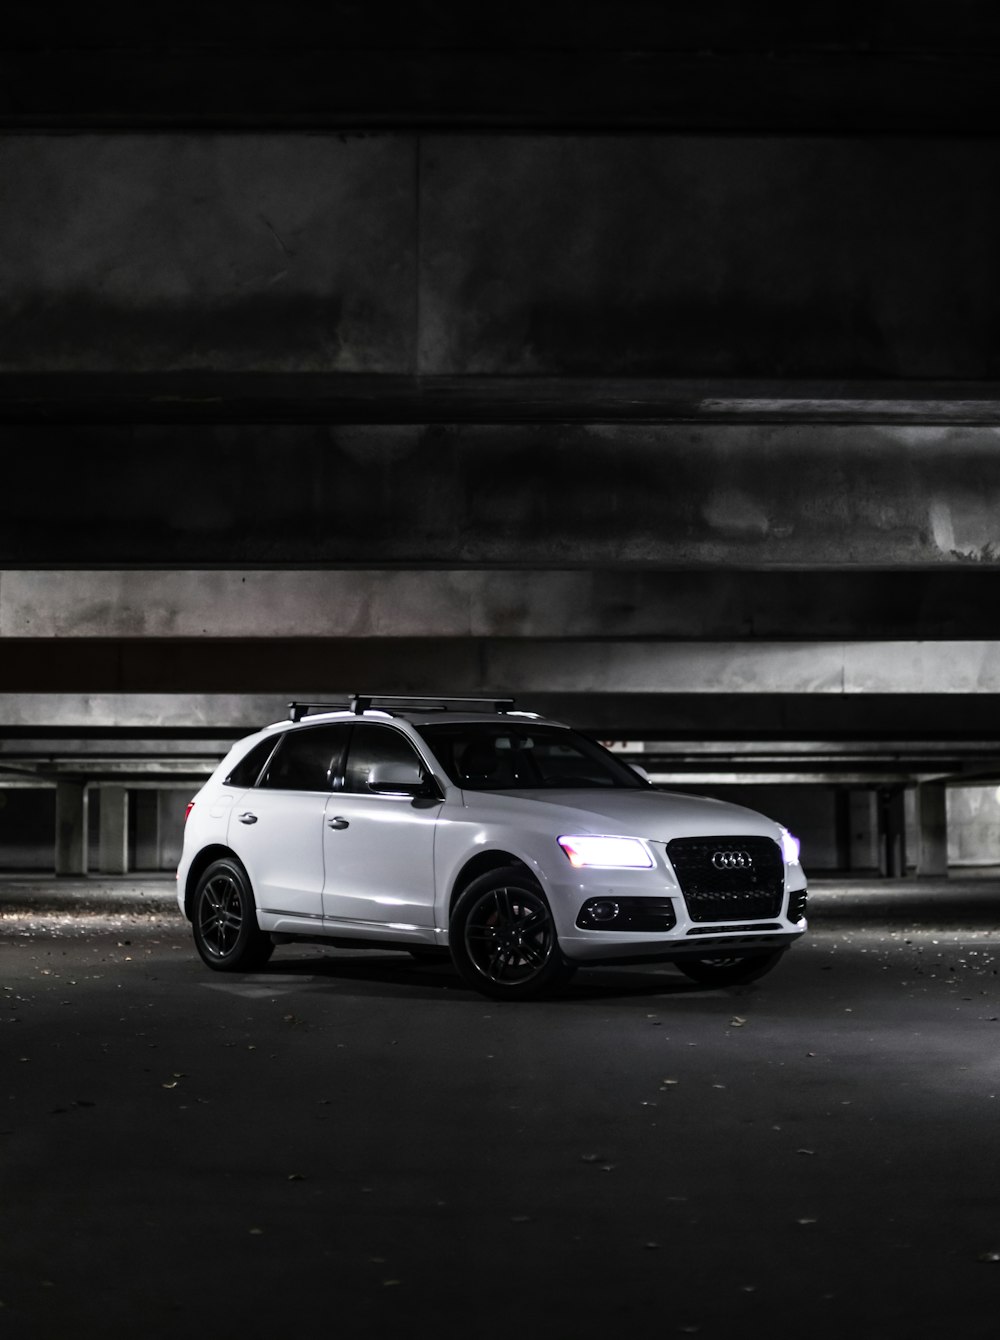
x=497 y=756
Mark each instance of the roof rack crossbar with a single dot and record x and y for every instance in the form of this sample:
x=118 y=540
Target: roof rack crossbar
x=361 y=702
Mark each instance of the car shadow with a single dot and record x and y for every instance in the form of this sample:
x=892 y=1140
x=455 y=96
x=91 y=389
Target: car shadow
x=371 y=970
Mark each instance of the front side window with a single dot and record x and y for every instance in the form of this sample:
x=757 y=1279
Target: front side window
x=371 y=745
x=306 y=759
x=495 y=756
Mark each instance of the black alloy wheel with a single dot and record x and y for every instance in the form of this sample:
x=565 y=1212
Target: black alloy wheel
x=224 y=920
x=728 y=969
x=503 y=939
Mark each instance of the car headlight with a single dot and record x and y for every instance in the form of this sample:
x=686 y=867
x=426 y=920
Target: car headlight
x=610 y=852
x=790 y=847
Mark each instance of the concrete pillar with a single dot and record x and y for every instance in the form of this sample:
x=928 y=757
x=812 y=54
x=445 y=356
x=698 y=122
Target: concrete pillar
x=892 y=831
x=863 y=816
x=112 y=856
x=842 y=828
x=172 y=807
x=147 y=830
x=932 y=829
x=72 y=803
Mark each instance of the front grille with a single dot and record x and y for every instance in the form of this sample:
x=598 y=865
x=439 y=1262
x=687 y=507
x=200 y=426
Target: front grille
x=797 y=905
x=749 y=886
x=750 y=926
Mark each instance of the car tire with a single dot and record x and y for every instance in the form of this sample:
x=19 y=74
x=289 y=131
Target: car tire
x=728 y=969
x=224 y=920
x=503 y=939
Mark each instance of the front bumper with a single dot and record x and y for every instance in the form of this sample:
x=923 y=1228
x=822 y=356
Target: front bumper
x=614 y=948
x=686 y=937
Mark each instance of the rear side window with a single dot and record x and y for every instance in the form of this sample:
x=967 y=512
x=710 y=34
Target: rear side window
x=248 y=769
x=306 y=760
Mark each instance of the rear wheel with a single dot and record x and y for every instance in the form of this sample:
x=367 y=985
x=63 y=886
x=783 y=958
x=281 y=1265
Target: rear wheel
x=503 y=939
x=224 y=920
x=728 y=969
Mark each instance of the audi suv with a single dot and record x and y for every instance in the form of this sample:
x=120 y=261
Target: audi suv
x=463 y=827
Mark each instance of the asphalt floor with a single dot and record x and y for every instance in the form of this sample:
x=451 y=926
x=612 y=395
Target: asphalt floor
x=353 y=1142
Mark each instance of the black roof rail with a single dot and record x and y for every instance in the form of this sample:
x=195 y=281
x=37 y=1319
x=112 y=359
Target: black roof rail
x=297 y=710
x=361 y=702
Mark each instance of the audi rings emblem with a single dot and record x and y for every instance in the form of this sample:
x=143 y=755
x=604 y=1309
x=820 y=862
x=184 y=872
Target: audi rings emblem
x=732 y=860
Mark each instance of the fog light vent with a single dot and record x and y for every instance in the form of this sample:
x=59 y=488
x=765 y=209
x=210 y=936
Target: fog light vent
x=627 y=914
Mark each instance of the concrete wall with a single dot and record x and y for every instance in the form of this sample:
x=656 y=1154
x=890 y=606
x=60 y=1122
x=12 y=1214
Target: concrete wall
x=156 y=825
x=808 y=811
x=973 y=826
x=154 y=837
x=27 y=829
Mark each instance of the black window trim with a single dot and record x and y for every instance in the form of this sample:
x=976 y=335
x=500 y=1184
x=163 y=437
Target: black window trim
x=262 y=769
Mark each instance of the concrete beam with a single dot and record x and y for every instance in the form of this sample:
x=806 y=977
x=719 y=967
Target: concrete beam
x=590 y=669
x=183 y=396
x=765 y=667
x=617 y=496
x=447 y=603
x=508 y=67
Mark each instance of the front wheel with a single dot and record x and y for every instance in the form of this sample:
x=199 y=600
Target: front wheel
x=728 y=969
x=224 y=920
x=503 y=939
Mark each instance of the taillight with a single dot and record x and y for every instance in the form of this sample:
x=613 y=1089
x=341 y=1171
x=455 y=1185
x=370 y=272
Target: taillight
x=190 y=807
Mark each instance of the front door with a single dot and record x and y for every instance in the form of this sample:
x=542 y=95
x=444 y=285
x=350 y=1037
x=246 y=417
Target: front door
x=379 y=849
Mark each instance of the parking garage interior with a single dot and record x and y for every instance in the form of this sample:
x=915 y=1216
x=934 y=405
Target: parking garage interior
x=642 y=365
x=655 y=386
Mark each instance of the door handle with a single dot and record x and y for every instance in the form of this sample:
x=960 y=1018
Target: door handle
x=247 y=817
x=338 y=821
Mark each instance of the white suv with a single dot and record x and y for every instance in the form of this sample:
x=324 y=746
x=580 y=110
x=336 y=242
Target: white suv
x=523 y=848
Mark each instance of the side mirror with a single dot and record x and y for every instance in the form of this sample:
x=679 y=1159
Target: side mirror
x=639 y=771
x=397 y=779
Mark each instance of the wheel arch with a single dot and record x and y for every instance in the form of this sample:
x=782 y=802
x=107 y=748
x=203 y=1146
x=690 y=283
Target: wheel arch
x=216 y=852
x=481 y=864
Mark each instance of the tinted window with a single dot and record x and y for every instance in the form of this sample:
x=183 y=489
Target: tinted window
x=494 y=756
x=371 y=745
x=248 y=769
x=306 y=760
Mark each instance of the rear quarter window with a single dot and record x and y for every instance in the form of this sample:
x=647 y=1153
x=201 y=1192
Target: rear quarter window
x=249 y=768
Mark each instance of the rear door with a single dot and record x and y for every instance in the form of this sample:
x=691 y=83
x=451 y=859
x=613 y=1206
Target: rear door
x=276 y=828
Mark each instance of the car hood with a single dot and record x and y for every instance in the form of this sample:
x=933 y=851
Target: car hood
x=657 y=815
